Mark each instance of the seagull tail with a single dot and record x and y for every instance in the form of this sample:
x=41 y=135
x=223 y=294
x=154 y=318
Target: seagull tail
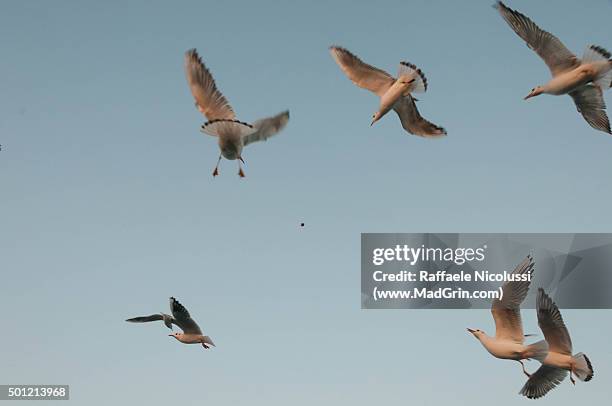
x=583 y=368
x=226 y=126
x=537 y=351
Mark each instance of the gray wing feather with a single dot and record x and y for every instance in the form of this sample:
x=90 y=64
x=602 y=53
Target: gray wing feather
x=363 y=75
x=182 y=318
x=542 y=381
x=167 y=319
x=413 y=122
x=209 y=99
x=556 y=56
x=552 y=325
x=145 y=319
x=267 y=127
x=590 y=103
x=507 y=312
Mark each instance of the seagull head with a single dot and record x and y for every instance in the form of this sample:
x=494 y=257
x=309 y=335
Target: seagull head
x=534 y=92
x=375 y=117
x=476 y=333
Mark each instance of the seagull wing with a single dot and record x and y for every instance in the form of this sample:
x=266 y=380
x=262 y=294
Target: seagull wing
x=183 y=319
x=507 y=311
x=209 y=99
x=542 y=381
x=167 y=319
x=266 y=128
x=412 y=121
x=590 y=103
x=363 y=75
x=551 y=324
x=558 y=58
x=145 y=319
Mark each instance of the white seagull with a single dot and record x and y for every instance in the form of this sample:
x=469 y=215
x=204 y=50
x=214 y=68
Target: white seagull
x=232 y=134
x=192 y=334
x=559 y=359
x=508 y=342
x=584 y=80
x=394 y=93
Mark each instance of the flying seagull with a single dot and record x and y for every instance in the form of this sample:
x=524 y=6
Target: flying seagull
x=394 y=93
x=508 y=342
x=232 y=134
x=584 y=80
x=559 y=359
x=180 y=316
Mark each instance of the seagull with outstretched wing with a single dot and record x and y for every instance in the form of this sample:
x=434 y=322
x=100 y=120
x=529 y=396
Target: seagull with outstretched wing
x=559 y=359
x=395 y=93
x=192 y=334
x=584 y=80
x=232 y=134
x=509 y=340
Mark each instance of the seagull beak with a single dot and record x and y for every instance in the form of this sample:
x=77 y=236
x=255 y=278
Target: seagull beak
x=170 y=335
x=471 y=331
x=529 y=96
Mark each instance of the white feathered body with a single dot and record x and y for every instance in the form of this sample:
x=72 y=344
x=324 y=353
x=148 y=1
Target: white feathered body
x=391 y=96
x=504 y=349
x=230 y=145
x=558 y=360
x=568 y=81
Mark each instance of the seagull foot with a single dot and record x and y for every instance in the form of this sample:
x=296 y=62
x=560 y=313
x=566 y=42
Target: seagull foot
x=241 y=173
x=215 y=172
x=524 y=370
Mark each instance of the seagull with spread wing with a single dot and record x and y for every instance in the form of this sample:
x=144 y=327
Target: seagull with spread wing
x=584 y=80
x=192 y=334
x=394 y=93
x=559 y=359
x=509 y=340
x=231 y=133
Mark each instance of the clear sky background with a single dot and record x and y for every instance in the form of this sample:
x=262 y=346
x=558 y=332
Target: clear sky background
x=108 y=204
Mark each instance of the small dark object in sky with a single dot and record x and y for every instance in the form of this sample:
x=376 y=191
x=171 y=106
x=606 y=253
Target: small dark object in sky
x=301 y=224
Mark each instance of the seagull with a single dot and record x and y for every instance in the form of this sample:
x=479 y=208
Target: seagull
x=394 y=93
x=232 y=134
x=180 y=316
x=584 y=80
x=559 y=359
x=508 y=342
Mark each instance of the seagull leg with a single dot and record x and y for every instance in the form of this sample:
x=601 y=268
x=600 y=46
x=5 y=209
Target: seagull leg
x=524 y=371
x=216 y=171
x=240 y=171
x=572 y=378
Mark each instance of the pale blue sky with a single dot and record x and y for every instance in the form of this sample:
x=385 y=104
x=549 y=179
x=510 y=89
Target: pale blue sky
x=109 y=207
